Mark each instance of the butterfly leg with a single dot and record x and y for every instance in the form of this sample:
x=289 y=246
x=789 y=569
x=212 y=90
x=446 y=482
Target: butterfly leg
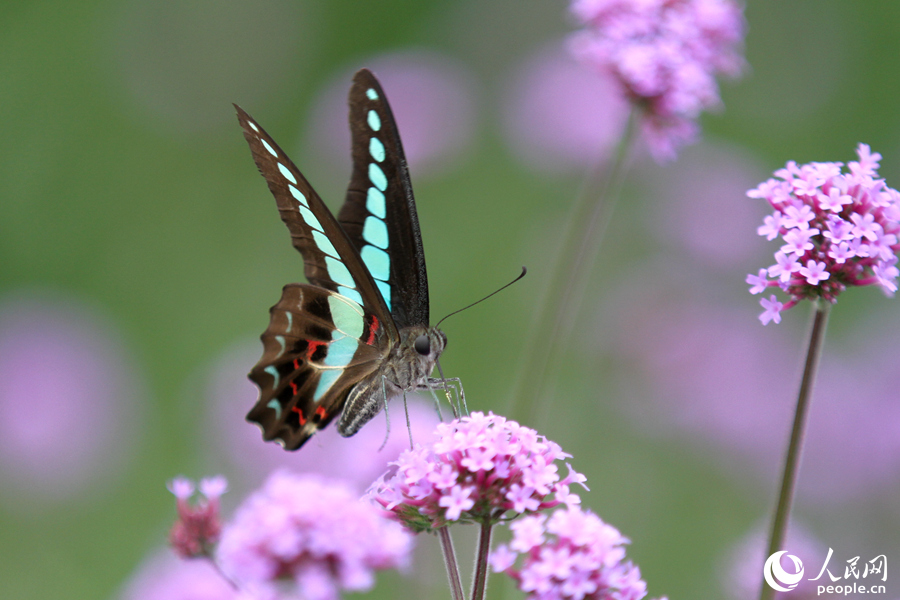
x=408 y=422
x=453 y=389
x=387 y=416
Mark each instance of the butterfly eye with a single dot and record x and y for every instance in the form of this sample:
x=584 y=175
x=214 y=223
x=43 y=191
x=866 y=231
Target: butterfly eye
x=423 y=345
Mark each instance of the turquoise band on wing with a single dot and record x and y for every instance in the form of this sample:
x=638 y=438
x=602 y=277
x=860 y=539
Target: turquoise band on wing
x=351 y=294
x=375 y=232
x=327 y=378
x=373 y=120
x=349 y=326
x=324 y=244
x=378 y=261
x=376 y=149
x=287 y=174
x=377 y=177
x=375 y=202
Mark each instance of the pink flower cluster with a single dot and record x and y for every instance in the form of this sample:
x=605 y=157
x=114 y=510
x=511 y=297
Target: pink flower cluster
x=665 y=54
x=839 y=229
x=312 y=531
x=198 y=525
x=480 y=467
x=571 y=556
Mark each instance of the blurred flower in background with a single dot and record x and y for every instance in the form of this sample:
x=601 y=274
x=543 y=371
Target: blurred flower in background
x=433 y=100
x=357 y=460
x=69 y=397
x=313 y=531
x=163 y=576
x=700 y=208
x=665 y=56
x=741 y=571
x=199 y=523
x=714 y=377
x=559 y=114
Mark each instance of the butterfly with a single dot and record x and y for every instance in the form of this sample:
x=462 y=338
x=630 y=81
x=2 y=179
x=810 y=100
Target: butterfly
x=357 y=334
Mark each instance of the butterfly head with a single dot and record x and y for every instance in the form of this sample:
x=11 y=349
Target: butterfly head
x=421 y=346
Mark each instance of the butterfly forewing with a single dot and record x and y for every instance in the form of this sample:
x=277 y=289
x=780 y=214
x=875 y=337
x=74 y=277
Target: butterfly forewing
x=318 y=344
x=379 y=214
x=330 y=259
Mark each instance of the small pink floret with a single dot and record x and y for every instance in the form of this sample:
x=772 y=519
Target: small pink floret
x=181 y=487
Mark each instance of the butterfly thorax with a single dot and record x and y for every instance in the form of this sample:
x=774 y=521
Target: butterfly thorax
x=406 y=369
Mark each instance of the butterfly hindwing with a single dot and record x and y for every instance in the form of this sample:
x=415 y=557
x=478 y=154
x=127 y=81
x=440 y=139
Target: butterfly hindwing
x=331 y=260
x=379 y=214
x=317 y=345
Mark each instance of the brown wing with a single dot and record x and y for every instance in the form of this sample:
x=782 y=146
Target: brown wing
x=331 y=260
x=379 y=214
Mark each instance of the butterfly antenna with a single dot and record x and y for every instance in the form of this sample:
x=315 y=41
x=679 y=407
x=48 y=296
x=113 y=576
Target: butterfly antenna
x=521 y=275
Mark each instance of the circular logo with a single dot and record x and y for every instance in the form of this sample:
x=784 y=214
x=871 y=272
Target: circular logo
x=779 y=579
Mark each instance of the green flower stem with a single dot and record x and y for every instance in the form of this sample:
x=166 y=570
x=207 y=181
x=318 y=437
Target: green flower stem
x=568 y=280
x=792 y=460
x=456 y=590
x=479 y=582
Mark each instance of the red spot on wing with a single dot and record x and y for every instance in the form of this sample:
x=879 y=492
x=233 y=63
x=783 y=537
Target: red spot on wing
x=372 y=328
x=311 y=348
x=320 y=411
x=299 y=412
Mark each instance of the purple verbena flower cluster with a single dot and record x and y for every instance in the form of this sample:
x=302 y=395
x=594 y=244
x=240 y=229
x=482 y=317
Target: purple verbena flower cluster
x=666 y=55
x=480 y=467
x=315 y=532
x=570 y=556
x=198 y=525
x=839 y=229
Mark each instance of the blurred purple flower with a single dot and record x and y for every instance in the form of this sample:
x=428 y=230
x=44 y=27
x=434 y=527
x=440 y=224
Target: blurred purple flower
x=433 y=101
x=68 y=394
x=741 y=573
x=166 y=577
x=481 y=466
x=198 y=525
x=573 y=555
x=314 y=532
x=840 y=229
x=358 y=460
x=665 y=55
x=552 y=121
x=709 y=375
x=693 y=211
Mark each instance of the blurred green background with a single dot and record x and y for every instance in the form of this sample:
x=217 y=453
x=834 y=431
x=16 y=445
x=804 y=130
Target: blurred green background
x=133 y=221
